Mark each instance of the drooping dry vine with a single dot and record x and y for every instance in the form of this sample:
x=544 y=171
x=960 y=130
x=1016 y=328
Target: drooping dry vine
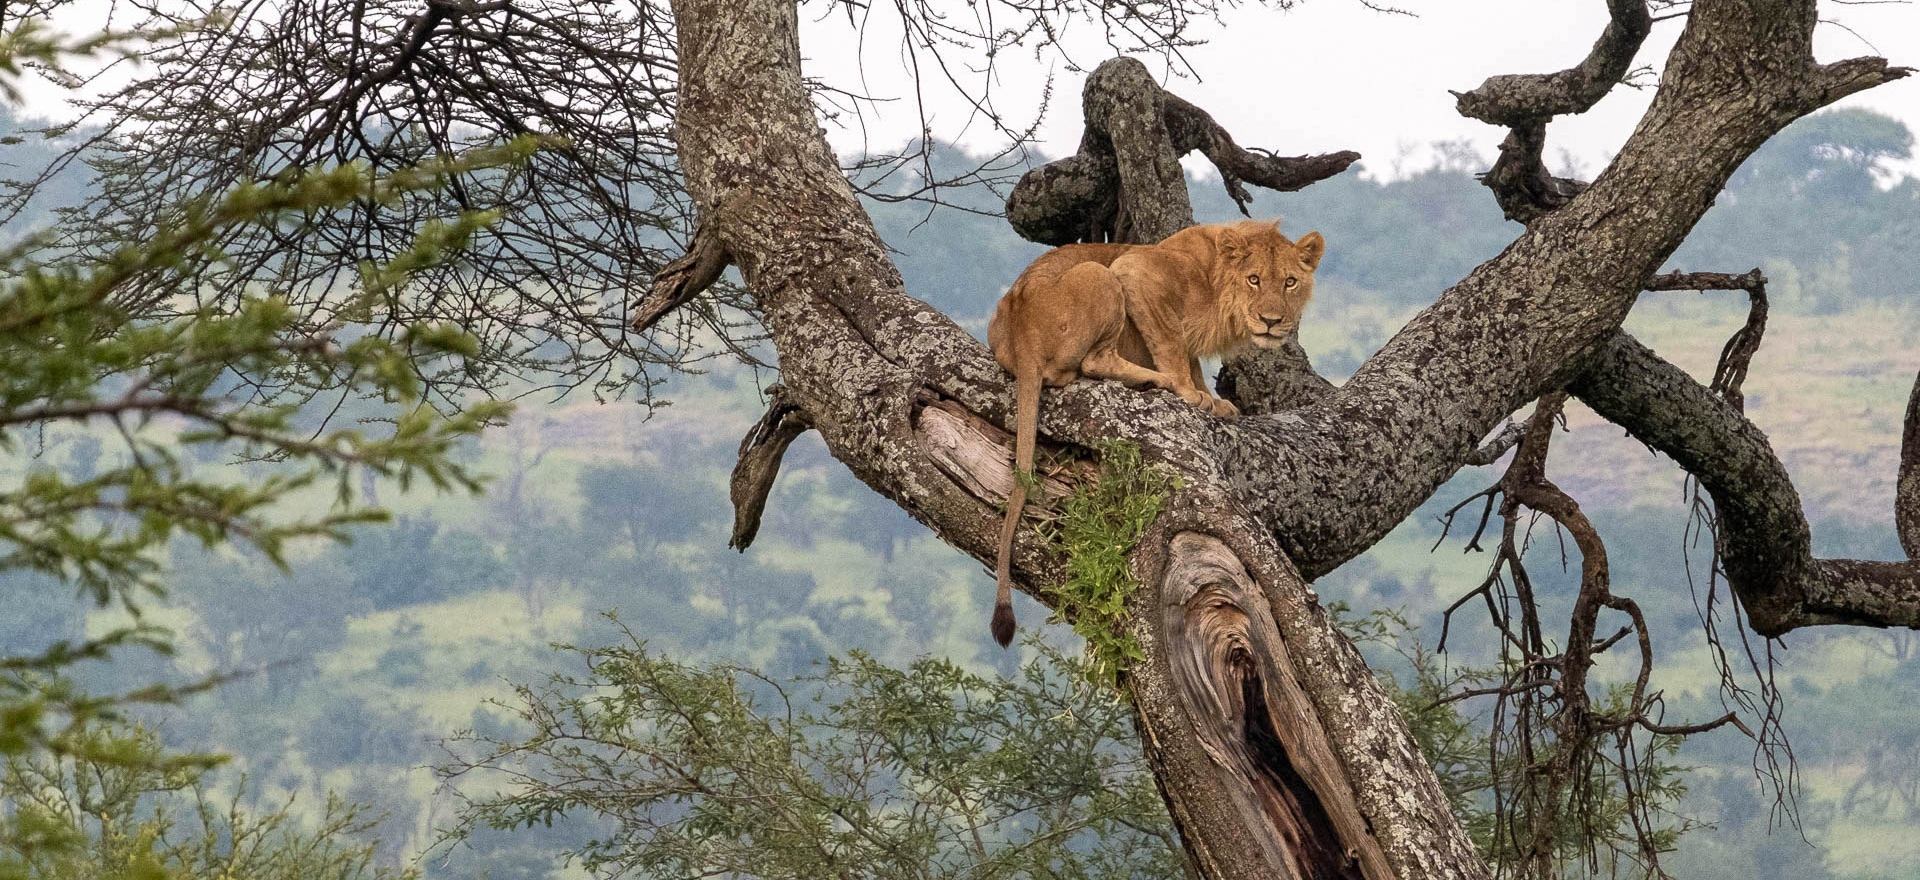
x=1567 y=773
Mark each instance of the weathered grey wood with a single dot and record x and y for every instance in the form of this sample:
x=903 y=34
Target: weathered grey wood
x=1906 y=494
x=978 y=454
x=759 y=463
x=859 y=356
x=1269 y=380
x=1122 y=186
x=1761 y=532
x=1238 y=685
x=1525 y=103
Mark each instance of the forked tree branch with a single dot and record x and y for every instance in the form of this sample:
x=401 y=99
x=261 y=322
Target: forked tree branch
x=1310 y=486
x=1525 y=103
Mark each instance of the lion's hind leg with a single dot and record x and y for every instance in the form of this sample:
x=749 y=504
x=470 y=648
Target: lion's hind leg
x=1106 y=363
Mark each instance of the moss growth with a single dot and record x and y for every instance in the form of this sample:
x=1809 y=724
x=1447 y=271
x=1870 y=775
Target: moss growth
x=1097 y=528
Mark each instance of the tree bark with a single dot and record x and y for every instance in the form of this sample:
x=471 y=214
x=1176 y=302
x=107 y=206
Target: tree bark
x=859 y=359
x=1275 y=747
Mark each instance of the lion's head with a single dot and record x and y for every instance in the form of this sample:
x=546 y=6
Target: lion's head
x=1266 y=277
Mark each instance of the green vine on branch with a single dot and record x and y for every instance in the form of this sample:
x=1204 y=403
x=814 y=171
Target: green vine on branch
x=1098 y=526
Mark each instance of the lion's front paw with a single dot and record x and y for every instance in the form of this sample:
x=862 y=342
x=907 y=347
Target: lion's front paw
x=1195 y=397
x=1225 y=410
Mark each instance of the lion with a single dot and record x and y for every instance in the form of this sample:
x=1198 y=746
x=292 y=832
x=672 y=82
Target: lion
x=1143 y=315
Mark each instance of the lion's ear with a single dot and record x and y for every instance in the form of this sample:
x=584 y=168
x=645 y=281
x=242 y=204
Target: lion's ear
x=1230 y=244
x=1312 y=248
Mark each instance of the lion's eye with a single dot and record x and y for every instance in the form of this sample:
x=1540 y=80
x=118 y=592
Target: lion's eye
x=1253 y=280
x=1291 y=281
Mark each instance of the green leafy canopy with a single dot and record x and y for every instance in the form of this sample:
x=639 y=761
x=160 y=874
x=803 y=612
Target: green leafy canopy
x=75 y=359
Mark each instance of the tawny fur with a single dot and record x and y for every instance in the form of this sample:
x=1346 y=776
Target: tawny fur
x=1142 y=315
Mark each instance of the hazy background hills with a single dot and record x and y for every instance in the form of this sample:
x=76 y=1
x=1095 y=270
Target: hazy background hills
x=365 y=656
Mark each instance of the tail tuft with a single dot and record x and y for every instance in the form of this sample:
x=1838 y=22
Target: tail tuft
x=1003 y=623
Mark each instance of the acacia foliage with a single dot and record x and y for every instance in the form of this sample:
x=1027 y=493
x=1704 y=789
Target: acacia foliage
x=925 y=770
x=228 y=380
x=152 y=817
x=863 y=769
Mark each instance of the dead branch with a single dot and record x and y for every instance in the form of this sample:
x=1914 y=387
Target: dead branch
x=1497 y=445
x=978 y=455
x=1730 y=372
x=682 y=279
x=1194 y=129
x=760 y=454
x=1548 y=734
x=1750 y=280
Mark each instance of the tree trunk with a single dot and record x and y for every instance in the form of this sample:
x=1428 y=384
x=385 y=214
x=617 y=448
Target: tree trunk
x=1275 y=747
x=1241 y=667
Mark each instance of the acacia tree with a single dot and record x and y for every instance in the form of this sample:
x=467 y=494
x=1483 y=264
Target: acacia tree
x=1277 y=753
x=1275 y=749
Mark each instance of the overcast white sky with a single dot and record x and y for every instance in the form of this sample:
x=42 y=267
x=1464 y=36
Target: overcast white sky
x=1332 y=74
x=1325 y=75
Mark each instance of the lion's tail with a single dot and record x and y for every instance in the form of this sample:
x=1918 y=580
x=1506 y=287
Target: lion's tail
x=1026 y=396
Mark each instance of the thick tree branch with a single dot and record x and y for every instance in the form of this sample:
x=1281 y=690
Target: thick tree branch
x=1764 y=543
x=1514 y=100
x=1764 y=538
x=1126 y=119
x=1520 y=324
x=1906 y=492
x=1269 y=380
x=1865 y=592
